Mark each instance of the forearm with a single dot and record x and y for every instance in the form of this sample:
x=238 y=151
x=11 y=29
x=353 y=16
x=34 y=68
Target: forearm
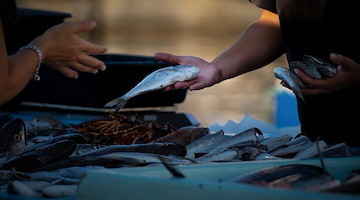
x=15 y=70
x=258 y=45
x=20 y=69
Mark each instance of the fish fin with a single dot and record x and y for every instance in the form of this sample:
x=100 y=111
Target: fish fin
x=174 y=171
x=118 y=102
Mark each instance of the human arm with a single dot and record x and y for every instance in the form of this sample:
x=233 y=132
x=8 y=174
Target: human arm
x=347 y=75
x=257 y=46
x=61 y=49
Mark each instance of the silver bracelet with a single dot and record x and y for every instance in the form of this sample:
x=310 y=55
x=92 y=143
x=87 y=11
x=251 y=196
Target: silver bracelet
x=39 y=54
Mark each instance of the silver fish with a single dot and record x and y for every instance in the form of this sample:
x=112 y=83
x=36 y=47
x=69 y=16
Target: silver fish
x=245 y=136
x=290 y=78
x=156 y=80
x=204 y=144
x=219 y=156
x=313 y=66
x=276 y=141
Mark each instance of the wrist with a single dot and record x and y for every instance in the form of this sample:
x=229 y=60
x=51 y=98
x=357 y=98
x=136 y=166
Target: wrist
x=39 y=55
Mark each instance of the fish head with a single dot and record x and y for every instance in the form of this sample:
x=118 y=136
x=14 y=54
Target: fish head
x=324 y=68
x=13 y=137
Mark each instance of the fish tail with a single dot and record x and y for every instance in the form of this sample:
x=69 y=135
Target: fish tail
x=118 y=102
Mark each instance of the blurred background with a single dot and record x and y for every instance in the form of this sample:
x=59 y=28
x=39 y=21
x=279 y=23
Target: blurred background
x=203 y=28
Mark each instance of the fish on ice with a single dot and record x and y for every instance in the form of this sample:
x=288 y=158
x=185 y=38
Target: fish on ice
x=157 y=80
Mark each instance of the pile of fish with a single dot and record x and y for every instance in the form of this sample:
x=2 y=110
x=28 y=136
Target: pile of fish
x=44 y=158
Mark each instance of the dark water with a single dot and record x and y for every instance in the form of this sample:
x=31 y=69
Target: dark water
x=203 y=28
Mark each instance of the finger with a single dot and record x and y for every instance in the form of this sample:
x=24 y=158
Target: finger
x=341 y=60
x=92 y=62
x=168 y=88
x=304 y=77
x=167 y=57
x=284 y=84
x=66 y=71
x=91 y=48
x=82 y=68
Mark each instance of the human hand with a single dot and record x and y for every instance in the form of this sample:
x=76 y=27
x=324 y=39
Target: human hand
x=208 y=76
x=66 y=52
x=347 y=75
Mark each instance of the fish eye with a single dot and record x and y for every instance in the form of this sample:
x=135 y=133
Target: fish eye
x=17 y=137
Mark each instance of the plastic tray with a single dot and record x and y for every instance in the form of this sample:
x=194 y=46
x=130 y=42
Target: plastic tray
x=211 y=181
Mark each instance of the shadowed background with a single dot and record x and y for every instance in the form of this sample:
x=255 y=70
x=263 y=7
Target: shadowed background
x=202 y=28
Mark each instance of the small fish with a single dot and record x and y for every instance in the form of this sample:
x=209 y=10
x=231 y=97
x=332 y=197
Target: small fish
x=313 y=66
x=291 y=79
x=31 y=160
x=156 y=80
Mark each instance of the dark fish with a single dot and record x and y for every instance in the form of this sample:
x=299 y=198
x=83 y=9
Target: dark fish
x=77 y=137
x=337 y=150
x=41 y=123
x=156 y=148
x=294 y=176
x=13 y=138
x=184 y=135
x=31 y=160
x=94 y=160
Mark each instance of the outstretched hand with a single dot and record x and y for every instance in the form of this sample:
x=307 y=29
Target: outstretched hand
x=347 y=75
x=66 y=52
x=207 y=76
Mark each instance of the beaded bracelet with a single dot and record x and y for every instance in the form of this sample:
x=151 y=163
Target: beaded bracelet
x=39 y=54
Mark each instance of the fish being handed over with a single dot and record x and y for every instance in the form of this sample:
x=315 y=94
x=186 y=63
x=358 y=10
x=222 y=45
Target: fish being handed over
x=313 y=66
x=157 y=80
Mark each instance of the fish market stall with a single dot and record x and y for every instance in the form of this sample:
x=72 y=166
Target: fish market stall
x=58 y=141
